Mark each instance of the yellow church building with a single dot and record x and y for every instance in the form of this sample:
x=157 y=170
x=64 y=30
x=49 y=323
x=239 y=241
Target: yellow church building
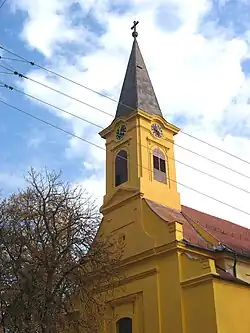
x=185 y=271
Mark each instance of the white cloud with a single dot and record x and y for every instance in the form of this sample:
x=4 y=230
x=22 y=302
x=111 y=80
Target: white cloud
x=48 y=24
x=94 y=186
x=11 y=181
x=194 y=76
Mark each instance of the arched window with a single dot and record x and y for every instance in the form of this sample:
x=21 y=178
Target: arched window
x=159 y=166
x=121 y=168
x=124 y=325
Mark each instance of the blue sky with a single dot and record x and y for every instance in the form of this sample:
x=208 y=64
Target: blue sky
x=27 y=142
x=198 y=59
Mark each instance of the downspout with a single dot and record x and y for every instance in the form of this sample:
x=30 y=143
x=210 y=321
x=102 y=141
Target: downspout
x=223 y=247
x=235 y=265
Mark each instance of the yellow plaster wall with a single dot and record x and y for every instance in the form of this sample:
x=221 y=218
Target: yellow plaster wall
x=137 y=227
x=169 y=296
x=165 y=194
x=193 y=266
x=232 y=307
x=150 y=295
x=139 y=143
x=112 y=148
x=198 y=308
x=164 y=290
x=196 y=279
x=125 y=224
x=162 y=231
x=137 y=300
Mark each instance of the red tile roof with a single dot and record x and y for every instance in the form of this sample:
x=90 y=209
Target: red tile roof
x=233 y=236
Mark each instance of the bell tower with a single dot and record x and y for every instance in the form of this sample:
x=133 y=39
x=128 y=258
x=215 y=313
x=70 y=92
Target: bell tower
x=140 y=142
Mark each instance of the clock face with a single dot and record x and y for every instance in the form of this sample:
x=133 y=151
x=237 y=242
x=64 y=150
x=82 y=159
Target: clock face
x=120 y=132
x=157 y=130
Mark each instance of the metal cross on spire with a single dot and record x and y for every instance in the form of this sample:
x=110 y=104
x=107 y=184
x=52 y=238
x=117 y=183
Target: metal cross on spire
x=135 y=33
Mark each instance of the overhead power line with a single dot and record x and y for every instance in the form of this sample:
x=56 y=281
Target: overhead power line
x=55 y=90
x=101 y=127
x=212 y=161
x=32 y=63
x=93 y=107
x=50 y=124
x=13 y=88
x=2 y=4
x=99 y=147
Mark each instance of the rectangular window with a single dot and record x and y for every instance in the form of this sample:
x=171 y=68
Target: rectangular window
x=162 y=166
x=159 y=169
x=121 y=168
x=156 y=163
x=118 y=180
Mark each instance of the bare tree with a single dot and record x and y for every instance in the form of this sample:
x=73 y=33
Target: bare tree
x=51 y=263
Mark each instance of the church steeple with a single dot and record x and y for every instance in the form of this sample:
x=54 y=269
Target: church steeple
x=139 y=143
x=137 y=91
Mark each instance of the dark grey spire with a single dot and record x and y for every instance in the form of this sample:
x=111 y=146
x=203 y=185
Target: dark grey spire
x=137 y=90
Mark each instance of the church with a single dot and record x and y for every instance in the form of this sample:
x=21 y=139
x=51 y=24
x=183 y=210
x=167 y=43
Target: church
x=186 y=271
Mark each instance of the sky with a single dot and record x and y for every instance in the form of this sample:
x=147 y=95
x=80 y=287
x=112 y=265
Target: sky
x=198 y=56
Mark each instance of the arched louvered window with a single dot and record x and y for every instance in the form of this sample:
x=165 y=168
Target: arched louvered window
x=159 y=166
x=121 y=168
x=124 y=325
